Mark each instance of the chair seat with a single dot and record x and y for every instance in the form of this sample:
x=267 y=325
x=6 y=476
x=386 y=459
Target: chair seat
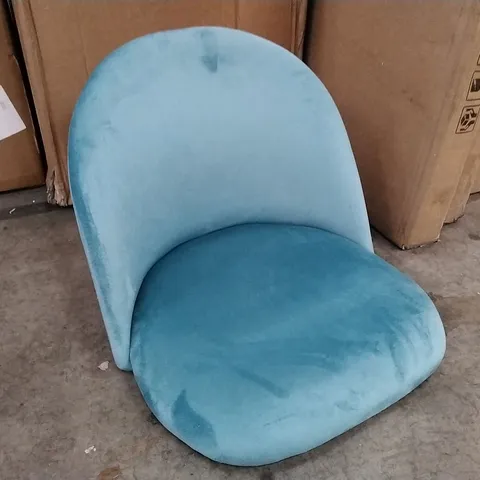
x=259 y=342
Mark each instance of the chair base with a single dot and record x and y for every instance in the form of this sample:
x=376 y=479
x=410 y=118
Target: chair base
x=259 y=342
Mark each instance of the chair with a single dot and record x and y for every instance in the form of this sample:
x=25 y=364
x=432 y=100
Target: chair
x=224 y=223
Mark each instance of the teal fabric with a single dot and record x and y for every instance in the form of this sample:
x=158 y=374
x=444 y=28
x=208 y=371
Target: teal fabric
x=182 y=133
x=259 y=342
x=224 y=223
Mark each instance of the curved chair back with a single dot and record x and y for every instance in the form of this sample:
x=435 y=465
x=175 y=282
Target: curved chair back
x=184 y=132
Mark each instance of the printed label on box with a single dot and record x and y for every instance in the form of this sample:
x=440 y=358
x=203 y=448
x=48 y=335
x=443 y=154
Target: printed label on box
x=10 y=121
x=474 y=88
x=468 y=119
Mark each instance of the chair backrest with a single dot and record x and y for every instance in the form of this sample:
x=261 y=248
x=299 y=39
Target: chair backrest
x=180 y=133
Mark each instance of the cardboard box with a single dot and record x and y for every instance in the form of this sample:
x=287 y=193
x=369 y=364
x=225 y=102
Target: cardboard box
x=401 y=74
x=20 y=164
x=64 y=40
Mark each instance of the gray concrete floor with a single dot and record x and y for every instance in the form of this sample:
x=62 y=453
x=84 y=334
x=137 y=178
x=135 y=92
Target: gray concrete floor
x=55 y=402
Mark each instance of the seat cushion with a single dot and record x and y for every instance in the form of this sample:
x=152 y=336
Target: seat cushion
x=259 y=342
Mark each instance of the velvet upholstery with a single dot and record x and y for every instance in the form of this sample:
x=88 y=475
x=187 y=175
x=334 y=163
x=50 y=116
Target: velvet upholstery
x=181 y=133
x=224 y=224
x=259 y=342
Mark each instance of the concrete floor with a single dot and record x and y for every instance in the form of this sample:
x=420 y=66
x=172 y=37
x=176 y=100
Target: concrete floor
x=55 y=403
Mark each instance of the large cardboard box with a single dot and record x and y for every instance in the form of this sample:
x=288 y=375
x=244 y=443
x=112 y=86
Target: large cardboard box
x=20 y=164
x=404 y=76
x=63 y=41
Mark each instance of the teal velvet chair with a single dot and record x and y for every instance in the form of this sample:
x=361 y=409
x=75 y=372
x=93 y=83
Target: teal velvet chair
x=224 y=223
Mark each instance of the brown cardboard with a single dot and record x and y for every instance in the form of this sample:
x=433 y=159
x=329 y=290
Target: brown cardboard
x=400 y=72
x=476 y=181
x=64 y=40
x=20 y=164
x=466 y=184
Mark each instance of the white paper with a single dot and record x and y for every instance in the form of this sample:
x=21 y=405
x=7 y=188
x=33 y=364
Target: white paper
x=10 y=121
